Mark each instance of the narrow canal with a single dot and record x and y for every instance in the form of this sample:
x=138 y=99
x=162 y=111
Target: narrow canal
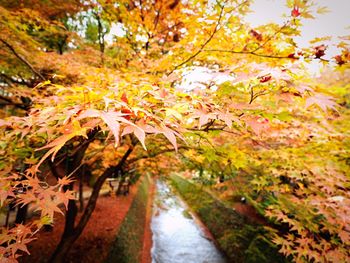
x=177 y=236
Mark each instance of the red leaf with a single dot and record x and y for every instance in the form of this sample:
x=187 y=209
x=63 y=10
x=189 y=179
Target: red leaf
x=320 y=51
x=256 y=34
x=295 y=12
x=65 y=197
x=265 y=78
x=124 y=98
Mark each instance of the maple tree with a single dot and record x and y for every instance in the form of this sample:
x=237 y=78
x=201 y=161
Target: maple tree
x=76 y=100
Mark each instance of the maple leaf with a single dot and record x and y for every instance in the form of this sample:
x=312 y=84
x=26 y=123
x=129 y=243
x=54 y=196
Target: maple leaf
x=26 y=198
x=64 y=197
x=147 y=128
x=21 y=230
x=324 y=102
x=48 y=208
x=89 y=113
x=203 y=116
x=124 y=98
x=303 y=88
x=139 y=133
x=20 y=245
x=4 y=123
x=111 y=118
x=258 y=124
x=107 y=102
x=295 y=12
x=65 y=180
x=344 y=236
x=320 y=51
x=228 y=118
x=170 y=135
x=113 y=125
x=256 y=34
x=70 y=131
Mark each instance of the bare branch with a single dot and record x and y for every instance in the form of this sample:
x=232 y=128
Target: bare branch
x=37 y=73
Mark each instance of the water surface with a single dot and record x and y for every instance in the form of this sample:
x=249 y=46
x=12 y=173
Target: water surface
x=177 y=237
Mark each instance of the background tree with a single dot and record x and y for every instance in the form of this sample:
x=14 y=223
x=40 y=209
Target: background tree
x=260 y=124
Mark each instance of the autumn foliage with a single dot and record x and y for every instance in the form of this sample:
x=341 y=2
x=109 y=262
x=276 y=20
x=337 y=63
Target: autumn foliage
x=257 y=123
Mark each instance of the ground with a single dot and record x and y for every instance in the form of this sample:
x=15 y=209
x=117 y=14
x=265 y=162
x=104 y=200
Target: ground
x=94 y=243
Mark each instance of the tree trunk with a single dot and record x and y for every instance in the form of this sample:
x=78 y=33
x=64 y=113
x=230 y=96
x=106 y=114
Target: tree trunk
x=68 y=240
x=81 y=190
x=61 y=43
x=71 y=214
x=21 y=215
x=101 y=37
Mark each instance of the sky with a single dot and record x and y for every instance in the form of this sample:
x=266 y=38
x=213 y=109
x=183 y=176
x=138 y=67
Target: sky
x=334 y=23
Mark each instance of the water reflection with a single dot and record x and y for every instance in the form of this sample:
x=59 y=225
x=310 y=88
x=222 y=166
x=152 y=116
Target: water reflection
x=176 y=236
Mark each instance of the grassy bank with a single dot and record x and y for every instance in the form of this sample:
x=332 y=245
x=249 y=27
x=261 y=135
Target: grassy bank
x=127 y=247
x=236 y=236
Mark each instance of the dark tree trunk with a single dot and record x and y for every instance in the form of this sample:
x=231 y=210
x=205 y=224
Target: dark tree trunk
x=101 y=37
x=61 y=43
x=68 y=240
x=81 y=184
x=71 y=214
x=21 y=215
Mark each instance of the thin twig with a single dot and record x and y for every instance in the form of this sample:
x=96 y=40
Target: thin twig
x=271 y=37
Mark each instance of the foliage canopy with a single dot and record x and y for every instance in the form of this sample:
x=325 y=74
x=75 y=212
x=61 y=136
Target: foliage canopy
x=257 y=121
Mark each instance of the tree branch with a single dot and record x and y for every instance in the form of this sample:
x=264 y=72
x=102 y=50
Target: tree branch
x=37 y=73
x=11 y=102
x=271 y=37
x=216 y=28
x=152 y=155
x=261 y=55
x=209 y=39
x=249 y=53
x=96 y=190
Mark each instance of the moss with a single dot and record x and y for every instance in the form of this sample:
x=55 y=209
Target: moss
x=261 y=243
x=127 y=247
x=187 y=214
x=240 y=240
